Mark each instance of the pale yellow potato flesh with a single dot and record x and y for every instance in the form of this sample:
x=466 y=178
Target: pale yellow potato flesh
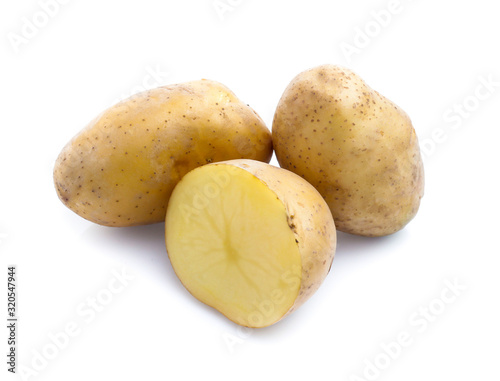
x=355 y=146
x=121 y=169
x=244 y=249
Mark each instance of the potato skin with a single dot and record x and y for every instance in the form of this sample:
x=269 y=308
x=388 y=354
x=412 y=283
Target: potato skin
x=308 y=217
x=354 y=145
x=121 y=169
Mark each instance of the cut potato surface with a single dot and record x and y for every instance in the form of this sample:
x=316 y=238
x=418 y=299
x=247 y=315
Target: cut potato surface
x=232 y=244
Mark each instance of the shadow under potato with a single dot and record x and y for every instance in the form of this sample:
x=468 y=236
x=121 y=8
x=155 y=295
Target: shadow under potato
x=140 y=247
x=350 y=244
x=354 y=252
x=143 y=249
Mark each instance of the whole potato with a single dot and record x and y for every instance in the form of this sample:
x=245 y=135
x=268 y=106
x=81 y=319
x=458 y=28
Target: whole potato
x=121 y=169
x=249 y=239
x=354 y=145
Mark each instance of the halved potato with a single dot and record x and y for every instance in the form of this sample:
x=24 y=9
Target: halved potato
x=251 y=240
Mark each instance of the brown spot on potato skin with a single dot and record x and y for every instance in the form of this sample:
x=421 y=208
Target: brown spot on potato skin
x=371 y=173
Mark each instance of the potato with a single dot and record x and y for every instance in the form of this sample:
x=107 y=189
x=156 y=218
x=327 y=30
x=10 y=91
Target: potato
x=121 y=169
x=354 y=145
x=249 y=239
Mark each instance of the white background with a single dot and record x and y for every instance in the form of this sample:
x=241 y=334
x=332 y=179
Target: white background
x=429 y=57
